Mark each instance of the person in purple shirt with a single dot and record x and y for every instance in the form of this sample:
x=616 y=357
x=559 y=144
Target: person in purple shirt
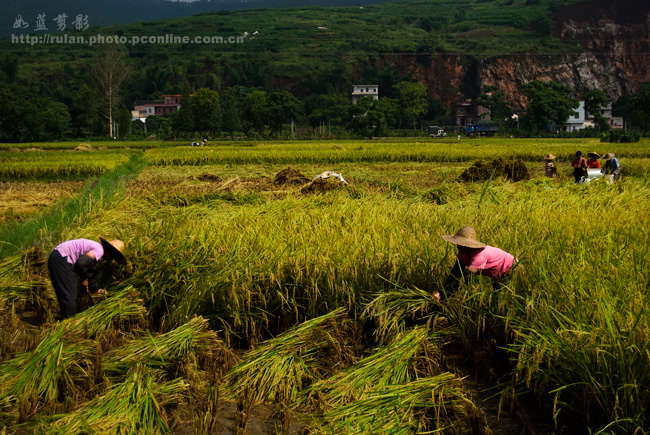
x=475 y=257
x=78 y=258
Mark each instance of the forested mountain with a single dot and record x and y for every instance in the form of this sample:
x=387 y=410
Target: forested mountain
x=107 y=12
x=454 y=49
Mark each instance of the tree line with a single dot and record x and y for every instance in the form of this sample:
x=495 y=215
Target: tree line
x=100 y=106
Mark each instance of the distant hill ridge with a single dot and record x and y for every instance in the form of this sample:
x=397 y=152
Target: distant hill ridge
x=454 y=47
x=108 y=12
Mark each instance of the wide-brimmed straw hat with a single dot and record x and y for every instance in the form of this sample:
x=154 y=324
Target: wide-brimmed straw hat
x=609 y=156
x=114 y=249
x=466 y=236
x=549 y=156
x=595 y=155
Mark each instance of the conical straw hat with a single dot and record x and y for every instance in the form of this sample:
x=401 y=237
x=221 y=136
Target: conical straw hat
x=466 y=236
x=115 y=249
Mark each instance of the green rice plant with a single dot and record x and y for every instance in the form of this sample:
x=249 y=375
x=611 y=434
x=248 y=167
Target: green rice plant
x=95 y=146
x=227 y=264
x=123 y=309
x=599 y=371
x=14 y=288
x=166 y=351
x=137 y=405
x=576 y=324
x=52 y=165
x=327 y=152
x=65 y=359
x=426 y=405
x=38 y=378
x=205 y=417
x=395 y=364
x=278 y=369
x=391 y=310
x=258 y=268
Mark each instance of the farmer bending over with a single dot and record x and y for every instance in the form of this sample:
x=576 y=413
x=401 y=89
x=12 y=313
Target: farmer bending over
x=475 y=257
x=612 y=166
x=79 y=257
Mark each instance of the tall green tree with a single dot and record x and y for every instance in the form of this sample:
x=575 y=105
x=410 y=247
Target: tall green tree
x=255 y=110
x=328 y=108
x=494 y=100
x=85 y=112
x=283 y=107
x=183 y=119
x=437 y=112
x=370 y=116
x=123 y=123
x=110 y=70
x=57 y=121
x=548 y=102
x=231 y=112
x=640 y=107
x=206 y=111
x=412 y=98
x=26 y=116
x=594 y=100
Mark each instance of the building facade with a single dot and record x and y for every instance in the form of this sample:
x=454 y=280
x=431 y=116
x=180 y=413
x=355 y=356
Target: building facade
x=360 y=91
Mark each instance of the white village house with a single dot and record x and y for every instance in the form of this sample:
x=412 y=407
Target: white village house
x=584 y=119
x=360 y=91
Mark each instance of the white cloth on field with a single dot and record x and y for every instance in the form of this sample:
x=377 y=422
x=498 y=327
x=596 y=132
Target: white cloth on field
x=328 y=174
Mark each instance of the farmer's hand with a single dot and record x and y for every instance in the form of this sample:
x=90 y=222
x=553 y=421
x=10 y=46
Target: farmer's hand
x=101 y=291
x=436 y=296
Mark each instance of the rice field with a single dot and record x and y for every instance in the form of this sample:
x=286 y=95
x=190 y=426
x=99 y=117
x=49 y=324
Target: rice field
x=57 y=165
x=253 y=306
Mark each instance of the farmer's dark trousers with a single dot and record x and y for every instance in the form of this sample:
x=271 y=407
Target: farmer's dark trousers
x=64 y=281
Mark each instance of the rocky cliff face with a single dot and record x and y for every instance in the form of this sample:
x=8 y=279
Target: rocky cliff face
x=612 y=53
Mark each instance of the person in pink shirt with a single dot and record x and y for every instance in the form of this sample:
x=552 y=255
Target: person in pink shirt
x=475 y=257
x=78 y=258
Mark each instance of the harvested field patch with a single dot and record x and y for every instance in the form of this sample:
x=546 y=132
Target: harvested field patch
x=19 y=200
x=210 y=178
x=320 y=185
x=291 y=177
x=84 y=147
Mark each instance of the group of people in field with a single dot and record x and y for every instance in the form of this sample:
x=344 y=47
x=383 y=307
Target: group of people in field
x=202 y=143
x=581 y=165
x=76 y=259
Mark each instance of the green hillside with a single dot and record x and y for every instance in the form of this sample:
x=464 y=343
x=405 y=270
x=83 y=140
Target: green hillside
x=311 y=54
x=306 y=43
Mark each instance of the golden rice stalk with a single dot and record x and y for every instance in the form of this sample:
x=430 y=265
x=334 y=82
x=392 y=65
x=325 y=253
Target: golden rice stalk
x=191 y=340
x=426 y=405
x=64 y=358
x=391 y=365
x=279 y=368
x=16 y=288
x=39 y=377
x=120 y=307
x=135 y=406
x=391 y=310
